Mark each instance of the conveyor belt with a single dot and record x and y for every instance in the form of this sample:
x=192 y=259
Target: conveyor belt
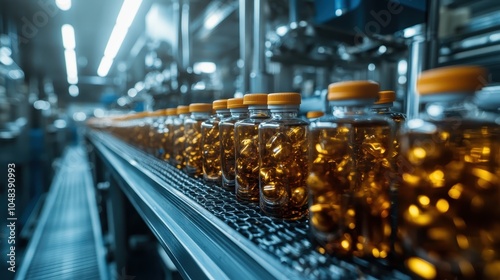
x=67 y=241
x=284 y=245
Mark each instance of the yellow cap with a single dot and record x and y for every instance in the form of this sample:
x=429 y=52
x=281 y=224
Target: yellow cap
x=200 y=107
x=157 y=113
x=284 y=98
x=171 y=111
x=141 y=115
x=220 y=104
x=452 y=79
x=234 y=103
x=182 y=109
x=314 y=114
x=255 y=99
x=386 y=96
x=353 y=90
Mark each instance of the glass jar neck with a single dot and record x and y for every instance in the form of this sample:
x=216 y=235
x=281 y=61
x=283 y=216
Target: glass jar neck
x=447 y=105
x=259 y=112
x=239 y=112
x=222 y=113
x=287 y=111
x=200 y=115
x=385 y=107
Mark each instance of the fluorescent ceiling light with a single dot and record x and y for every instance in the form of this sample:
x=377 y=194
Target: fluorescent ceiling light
x=115 y=41
x=127 y=13
x=125 y=18
x=68 y=36
x=74 y=90
x=213 y=20
x=204 y=67
x=104 y=66
x=71 y=69
x=63 y=4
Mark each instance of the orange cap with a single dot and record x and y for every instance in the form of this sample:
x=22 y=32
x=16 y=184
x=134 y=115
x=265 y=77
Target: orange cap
x=200 y=107
x=452 y=79
x=234 y=103
x=182 y=109
x=353 y=90
x=171 y=111
x=157 y=113
x=255 y=99
x=220 y=104
x=314 y=114
x=386 y=96
x=284 y=98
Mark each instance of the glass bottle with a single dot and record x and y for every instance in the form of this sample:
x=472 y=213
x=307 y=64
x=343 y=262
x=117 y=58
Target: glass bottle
x=167 y=133
x=141 y=130
x=178 y=138
x=210 y=142
x=157 y=120
x=239 y=111
x=283 y=159
x=246 y=142
x=449 y=209
x=200 y=112
x=383 y=106
x=349 y=174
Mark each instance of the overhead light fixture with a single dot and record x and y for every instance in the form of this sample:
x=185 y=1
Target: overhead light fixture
x=104 y=66
x=74 y=90
x=127 y=13
x=213 y=20
x=204 y=67
x=69 y=43
x=5 y=54
x=125 y=18
x=63 y=5
x=68 y=36
x=115 y=41
x=71 y=68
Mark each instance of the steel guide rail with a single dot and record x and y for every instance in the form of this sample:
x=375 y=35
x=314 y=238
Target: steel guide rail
x=209 y=234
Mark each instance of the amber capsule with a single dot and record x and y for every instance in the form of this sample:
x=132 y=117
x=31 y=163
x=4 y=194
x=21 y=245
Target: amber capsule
x=239 y=111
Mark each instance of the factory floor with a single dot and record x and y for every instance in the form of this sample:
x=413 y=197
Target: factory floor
x=67 y=241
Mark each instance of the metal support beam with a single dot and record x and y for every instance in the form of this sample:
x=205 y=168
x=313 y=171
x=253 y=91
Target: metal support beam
x=246 y=43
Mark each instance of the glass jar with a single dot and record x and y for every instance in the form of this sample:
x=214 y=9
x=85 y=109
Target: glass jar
x=158 y=118
x=246 y=142
x=167 y=134
x=283 y=159
x=141 y=129
x=239 y=112
x=383 y=106
x=349 y=174
x=178 y=138
x=210 y=142
x=200 y=112
x=450 y=193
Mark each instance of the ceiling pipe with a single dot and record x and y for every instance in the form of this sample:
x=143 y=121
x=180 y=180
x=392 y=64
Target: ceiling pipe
x=246 y=43
x=259 y=79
